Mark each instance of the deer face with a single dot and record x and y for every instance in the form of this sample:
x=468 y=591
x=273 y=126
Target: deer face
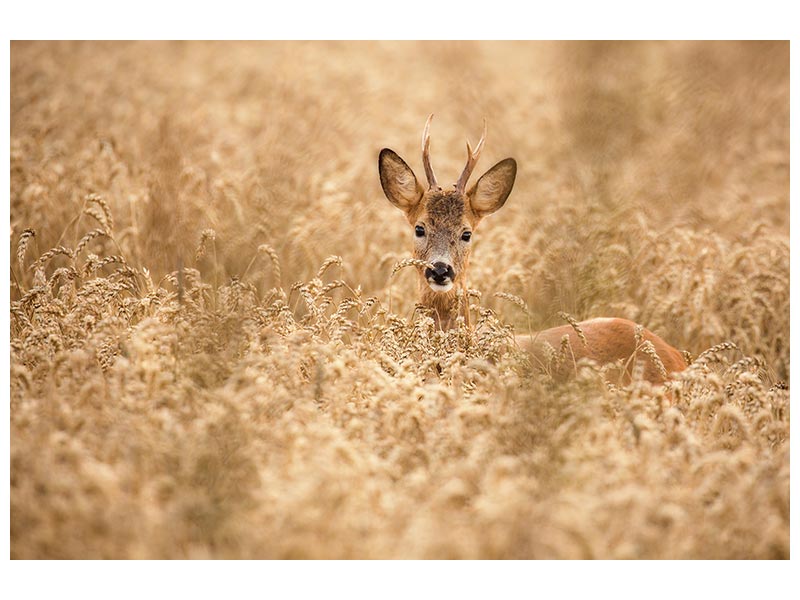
x=443 y=220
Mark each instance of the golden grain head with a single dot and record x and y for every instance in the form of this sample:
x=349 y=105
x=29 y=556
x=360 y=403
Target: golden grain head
x=649 y=350
x=573 y=322
x=410 y=262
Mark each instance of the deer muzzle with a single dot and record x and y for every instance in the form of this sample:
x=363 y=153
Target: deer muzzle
x=440 y=278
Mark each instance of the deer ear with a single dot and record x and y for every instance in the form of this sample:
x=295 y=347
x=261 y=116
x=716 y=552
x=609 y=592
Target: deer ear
x=492 y=189
x=398 y=181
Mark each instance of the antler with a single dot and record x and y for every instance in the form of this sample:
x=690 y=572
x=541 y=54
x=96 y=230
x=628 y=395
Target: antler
x=426 y=153
x=472 y=159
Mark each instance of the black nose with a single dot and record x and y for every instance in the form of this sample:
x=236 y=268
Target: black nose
x=440 y=272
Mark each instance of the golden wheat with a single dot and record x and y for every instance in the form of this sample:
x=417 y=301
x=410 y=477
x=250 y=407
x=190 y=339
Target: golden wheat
x=173 y=396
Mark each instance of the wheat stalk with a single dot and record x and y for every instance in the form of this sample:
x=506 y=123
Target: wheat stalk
x=205 y=236
x=276 y=264
x=50 y=254
x=410 y=262
x=327 y=263
x=649 y=349
x=575 y=325
x=22 y=246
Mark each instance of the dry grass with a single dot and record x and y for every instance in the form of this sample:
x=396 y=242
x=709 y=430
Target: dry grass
x=205 y=361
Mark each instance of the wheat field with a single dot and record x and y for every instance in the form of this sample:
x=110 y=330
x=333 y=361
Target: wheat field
x=215 y=353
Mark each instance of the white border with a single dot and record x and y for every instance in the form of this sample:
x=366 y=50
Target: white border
x=398 y=19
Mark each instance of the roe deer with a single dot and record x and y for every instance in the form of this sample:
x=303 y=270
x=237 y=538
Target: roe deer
x=444 y=221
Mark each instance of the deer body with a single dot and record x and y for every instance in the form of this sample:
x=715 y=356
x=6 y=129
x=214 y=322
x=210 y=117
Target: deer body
x=608 y=340
x=443 y=222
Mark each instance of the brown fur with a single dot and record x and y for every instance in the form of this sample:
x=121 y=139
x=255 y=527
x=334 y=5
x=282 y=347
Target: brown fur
x=446 y=214
x=607 y=340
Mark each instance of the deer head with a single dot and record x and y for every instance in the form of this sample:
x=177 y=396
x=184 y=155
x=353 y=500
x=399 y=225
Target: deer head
x=444 y=219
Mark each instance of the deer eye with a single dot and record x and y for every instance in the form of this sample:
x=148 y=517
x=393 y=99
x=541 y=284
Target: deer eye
x=466 y=236
x=419 y=230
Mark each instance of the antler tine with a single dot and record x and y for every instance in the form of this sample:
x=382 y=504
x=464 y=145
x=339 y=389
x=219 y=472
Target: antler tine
x=426 y=153
x=472 y=160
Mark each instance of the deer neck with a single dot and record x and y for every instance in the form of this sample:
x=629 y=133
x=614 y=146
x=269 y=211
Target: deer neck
x=446 y=306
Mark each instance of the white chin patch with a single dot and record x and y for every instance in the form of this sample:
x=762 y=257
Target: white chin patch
x=439 y=287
